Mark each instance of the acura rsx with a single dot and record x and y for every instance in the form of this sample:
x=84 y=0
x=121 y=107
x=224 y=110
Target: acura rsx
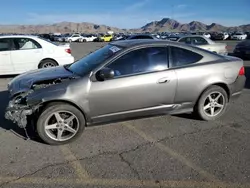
x=122 y=80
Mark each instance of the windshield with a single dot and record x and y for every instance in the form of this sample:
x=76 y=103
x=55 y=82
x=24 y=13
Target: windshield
x=94 y=59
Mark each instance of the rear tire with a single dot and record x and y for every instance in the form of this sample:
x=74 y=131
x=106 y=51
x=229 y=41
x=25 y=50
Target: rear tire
x=212 y=103
x=69 y=130
x=47 y=63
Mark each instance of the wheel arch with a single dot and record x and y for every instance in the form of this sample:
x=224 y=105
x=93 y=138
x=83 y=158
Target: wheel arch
x=220 y=84
x=44 y=59
x=63 y=101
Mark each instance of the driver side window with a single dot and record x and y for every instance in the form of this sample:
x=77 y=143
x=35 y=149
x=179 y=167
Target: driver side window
x=141 y=61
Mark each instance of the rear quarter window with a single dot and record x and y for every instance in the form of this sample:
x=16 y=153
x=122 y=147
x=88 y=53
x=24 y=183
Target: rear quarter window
x=182 y=57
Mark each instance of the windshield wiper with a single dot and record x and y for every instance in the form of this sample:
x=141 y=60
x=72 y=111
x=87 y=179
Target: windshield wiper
x=67 y=68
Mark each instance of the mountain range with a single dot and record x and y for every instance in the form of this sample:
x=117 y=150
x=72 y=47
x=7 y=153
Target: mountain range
x=164 y=25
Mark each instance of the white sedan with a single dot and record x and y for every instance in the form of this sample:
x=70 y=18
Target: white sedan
x=205 y=43
x=239 y=36
x=90 y=38
x=21 y=53
x=76 y=38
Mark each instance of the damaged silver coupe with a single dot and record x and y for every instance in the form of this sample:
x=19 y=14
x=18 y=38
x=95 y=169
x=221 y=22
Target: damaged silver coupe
x=124 y=79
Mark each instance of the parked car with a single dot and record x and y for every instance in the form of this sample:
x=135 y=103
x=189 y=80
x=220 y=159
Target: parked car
x=205 y=34
x=59 y=38
x=217 y=36
x=124 y=79
x=226 y=36
x=208 y=35
x=205 y=43
x=120 y=37
x=174 y=37
x=46 y=36
x=65 y=37
x=106 y=38
x=242 y=49
x=75 y=38
x=141 y=36
x=20 y=53
x=239 y=36
x=90 y=38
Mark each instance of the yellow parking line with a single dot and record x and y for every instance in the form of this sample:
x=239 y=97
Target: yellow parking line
x=173 y=153
x=122 y=182
x=79 y=170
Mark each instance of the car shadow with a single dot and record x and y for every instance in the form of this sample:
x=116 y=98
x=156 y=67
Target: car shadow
x=9 y=126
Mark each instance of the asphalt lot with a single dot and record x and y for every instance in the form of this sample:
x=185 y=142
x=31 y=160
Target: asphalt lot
x=163 y=151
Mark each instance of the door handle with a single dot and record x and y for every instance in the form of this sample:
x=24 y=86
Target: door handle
x=163 y=80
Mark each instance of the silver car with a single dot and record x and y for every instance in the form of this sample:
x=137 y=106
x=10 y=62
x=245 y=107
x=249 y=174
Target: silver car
x=124 y=79
x=205 y=43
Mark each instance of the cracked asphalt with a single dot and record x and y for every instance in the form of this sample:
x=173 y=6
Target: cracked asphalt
x=162 y=151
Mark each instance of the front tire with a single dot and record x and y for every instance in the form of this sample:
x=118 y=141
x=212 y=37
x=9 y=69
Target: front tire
x=60 y=123
x=212 y=104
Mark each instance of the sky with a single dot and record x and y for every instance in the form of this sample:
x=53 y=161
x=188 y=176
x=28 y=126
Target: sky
x=125 y=13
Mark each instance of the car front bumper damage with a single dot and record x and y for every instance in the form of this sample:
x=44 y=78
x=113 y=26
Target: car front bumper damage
x=18 y=113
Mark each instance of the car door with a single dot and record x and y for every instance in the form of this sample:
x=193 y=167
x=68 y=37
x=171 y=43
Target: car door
x=26 y=55
x=189 y=76
x=6 y=65
x=142 y=84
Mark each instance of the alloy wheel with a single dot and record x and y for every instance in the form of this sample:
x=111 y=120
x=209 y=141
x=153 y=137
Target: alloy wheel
x=61 y=125
x=214 y=104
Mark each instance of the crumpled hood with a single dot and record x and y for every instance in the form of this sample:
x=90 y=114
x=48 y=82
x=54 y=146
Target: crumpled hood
x=25 y=81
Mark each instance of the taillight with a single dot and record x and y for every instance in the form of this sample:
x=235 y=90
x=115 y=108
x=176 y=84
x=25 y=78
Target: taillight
x=242 y=71
x=68 y=50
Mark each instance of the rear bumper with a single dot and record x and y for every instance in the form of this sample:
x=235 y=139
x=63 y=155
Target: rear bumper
x=237 y=87
x=65 y=60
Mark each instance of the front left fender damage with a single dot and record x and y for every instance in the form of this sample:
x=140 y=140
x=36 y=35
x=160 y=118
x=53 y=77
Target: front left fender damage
x=23 y=105
x=18 y=113
x=18 y=109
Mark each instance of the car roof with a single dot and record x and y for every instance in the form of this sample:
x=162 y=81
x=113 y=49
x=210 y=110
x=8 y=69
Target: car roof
x=142 y=42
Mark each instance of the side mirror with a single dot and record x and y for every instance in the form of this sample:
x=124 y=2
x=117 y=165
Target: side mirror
x=104 y=74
